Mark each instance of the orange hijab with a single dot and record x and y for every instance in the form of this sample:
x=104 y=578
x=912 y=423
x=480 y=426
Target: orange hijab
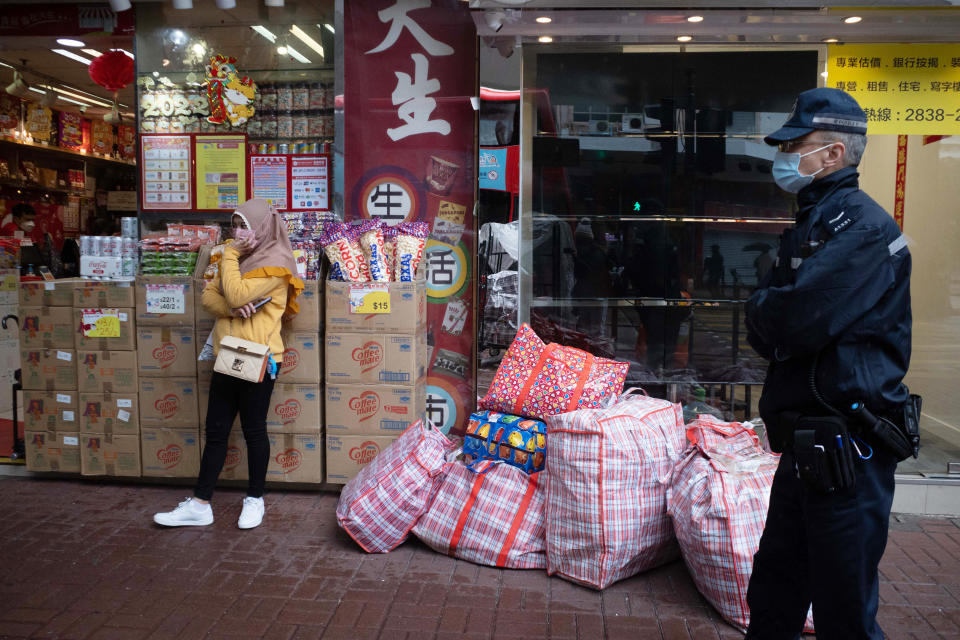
x=273 y=255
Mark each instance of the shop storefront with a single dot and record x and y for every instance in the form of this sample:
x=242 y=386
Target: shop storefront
x=596 y=172
x=630 y=200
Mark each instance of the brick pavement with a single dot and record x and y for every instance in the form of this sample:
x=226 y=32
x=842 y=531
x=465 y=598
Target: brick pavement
x=83 y=559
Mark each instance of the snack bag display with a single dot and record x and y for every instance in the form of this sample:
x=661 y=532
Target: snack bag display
x=371 y=241
x=518 y=441
x=410 y=242
x=539 y=380
x=344 y=254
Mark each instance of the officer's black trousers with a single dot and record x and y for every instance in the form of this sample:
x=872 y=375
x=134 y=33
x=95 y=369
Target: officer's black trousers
x=822 y=549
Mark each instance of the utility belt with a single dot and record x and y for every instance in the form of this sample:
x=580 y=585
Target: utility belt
x=825 y=447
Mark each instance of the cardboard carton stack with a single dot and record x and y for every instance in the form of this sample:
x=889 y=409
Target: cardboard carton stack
x=49 y=369
x=375 y=369
x=106 y=370
x=295 y=416
x=167 y=371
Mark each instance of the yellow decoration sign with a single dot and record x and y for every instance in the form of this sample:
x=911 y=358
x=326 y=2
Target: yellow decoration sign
x=101 y=323
x=221 y=178
x=903 y=88
x=369 y=298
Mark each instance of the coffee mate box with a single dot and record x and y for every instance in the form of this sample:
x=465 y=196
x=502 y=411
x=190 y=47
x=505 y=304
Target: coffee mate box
x=104 y=454
x=301 y=357
x=49 y=293
x=295 y=408
x=165 y=301
x=105 y=329
x=91 y=294
x=48 y=369
x=107 y=371
x=309 y=318
x=170 y=453
x=235 y=465
x=52 y=451
x=168 y=402
x=295 y=457
x=47 y=327
x=50 y=411
x=377 y=307
x=375 y=358
x=167 y=352
x=114 y=413
x=347 y=455
x=372 y=409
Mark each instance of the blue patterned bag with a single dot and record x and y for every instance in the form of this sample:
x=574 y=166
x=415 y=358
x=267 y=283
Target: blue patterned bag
x=519 y=442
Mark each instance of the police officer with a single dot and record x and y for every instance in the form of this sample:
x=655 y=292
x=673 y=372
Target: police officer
x=833 y=318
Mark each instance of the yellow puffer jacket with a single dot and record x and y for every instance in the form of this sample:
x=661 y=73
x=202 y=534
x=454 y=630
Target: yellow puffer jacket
x=262 y=327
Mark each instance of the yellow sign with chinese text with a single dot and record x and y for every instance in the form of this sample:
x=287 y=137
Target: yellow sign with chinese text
x=903 y=88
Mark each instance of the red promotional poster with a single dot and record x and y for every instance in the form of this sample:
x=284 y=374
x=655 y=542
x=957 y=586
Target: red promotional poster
x=71 y=129
x=409 y=127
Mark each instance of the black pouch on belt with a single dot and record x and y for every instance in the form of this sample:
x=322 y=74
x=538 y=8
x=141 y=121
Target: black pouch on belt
x=823 y=453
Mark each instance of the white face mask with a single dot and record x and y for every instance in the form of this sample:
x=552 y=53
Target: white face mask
x=786 y=170
x=28 y=225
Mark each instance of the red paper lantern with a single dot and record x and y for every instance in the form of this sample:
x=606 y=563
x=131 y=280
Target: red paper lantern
x=113 y=70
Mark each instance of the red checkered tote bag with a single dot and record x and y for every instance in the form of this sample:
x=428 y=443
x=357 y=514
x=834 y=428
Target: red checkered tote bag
x=606 y=489
x=490 y=513
x=381 y=504
x=718 y=498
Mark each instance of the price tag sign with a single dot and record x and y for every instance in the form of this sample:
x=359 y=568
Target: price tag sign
x=100 y=323
x=165 y=298
x=369 y=298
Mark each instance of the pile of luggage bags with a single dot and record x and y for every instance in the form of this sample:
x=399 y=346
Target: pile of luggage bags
x=624 y=485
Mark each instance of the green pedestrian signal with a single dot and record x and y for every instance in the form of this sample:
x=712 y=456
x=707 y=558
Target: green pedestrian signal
x=636 y=206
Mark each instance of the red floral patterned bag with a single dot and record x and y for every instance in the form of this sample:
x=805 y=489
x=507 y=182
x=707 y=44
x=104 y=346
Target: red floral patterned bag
x=537 y=380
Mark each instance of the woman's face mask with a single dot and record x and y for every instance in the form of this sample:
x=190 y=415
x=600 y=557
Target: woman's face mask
x=239 y=233
x=28 y=226
x=786 y=170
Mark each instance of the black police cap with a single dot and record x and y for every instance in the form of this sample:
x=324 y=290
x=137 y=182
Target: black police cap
x=824 y=109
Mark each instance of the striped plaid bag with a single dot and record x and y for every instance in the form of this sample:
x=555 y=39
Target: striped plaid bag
x=490 y=513
x=606 y=491
x=718 y=498
x=381 y=504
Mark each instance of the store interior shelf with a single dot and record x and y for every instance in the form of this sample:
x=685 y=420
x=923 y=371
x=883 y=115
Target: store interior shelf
x=32 y=186
x=69 y=152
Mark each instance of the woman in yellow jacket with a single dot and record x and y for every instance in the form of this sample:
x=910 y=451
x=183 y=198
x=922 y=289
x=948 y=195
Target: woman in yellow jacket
x=257 y=266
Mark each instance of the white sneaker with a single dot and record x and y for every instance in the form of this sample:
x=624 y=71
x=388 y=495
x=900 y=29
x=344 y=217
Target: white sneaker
x=188 y=513
x=252 y=514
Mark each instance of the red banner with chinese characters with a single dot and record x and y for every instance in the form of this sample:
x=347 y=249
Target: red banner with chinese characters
x=410 y=69
x=901 y=183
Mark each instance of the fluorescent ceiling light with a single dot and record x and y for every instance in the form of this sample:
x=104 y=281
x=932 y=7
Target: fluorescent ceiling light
x=296 y=55
x=282 y=50
x=97 y=101
x=545 y=39
x=266 y=33
x=830 y=40
x=307 y=40
x=4 y=64
x=92 y=52
x=694 y=18
x=852 y=19
x=544 y=19
x=329 y=27
x=125 y=52
x=199 y=49
x=69 y=42
x=41 y=91
x=684 y=38
x=82 y=104
x=71 y=55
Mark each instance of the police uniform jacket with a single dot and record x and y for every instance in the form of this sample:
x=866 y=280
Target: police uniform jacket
x=839 y=296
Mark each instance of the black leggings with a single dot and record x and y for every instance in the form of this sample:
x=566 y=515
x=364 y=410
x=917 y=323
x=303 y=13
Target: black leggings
x=229 y=396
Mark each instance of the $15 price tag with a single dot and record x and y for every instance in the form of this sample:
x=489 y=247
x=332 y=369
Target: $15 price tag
x=369 y=298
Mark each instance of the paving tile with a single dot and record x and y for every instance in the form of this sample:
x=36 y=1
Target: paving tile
x=78 y=570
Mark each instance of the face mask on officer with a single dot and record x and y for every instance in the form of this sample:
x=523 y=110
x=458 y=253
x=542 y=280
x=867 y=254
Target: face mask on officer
x=786 y=169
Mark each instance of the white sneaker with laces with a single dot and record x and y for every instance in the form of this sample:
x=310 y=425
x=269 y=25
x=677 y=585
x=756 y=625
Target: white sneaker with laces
x=188 y=513
x=252 y=514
